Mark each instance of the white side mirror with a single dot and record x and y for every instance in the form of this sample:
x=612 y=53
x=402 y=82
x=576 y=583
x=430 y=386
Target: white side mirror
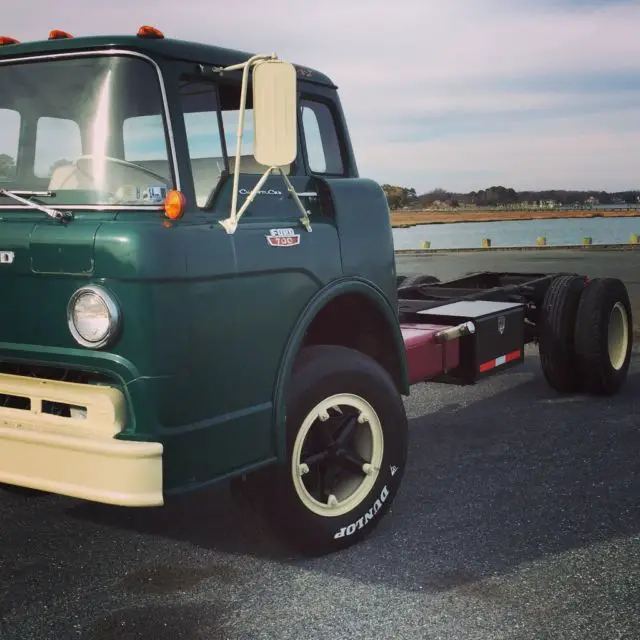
x=275 y=112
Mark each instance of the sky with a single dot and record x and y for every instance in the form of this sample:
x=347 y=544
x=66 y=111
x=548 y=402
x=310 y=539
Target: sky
x=452 y=94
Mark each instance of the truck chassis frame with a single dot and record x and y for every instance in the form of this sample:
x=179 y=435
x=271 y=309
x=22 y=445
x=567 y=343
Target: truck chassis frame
x=461 y=330
x=524 y=288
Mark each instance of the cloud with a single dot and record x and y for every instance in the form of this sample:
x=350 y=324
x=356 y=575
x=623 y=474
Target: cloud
x=458 y=94
x=581 y=153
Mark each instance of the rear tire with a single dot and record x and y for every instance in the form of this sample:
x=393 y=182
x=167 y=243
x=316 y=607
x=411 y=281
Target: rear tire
x=341 y=475
x=604 y=336
x=556 y=333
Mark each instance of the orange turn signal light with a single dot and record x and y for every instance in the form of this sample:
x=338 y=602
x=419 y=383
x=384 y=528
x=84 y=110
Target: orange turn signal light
x=57 y=34
x=149 y=32
x=7 y=40
x=174 y=204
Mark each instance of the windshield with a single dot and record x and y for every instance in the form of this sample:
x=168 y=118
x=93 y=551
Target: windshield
x=91 y=130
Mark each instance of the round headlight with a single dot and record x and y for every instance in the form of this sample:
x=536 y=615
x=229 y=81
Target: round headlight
x=93 y=316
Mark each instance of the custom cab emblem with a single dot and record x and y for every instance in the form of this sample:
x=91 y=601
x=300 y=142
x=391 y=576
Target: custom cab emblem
x=7 y=257
x=501 y=324
x=262 y=192
x=283 y=238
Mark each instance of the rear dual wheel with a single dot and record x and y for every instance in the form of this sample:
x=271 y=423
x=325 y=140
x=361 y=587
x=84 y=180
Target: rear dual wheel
x=586 y=335
x=604 y=336
x=556 y=333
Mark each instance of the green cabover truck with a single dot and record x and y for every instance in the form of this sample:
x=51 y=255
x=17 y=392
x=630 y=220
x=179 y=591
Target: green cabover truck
x=198 y=286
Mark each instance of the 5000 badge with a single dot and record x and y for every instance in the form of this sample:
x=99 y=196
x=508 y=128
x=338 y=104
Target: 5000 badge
x=283 y=238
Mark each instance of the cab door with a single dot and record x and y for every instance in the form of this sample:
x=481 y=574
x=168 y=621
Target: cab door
x=280 y=266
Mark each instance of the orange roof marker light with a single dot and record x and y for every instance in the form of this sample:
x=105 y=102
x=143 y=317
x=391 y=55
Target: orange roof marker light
x=57 y=34
x=8 y=40
x=174 y=204
x=149 y=32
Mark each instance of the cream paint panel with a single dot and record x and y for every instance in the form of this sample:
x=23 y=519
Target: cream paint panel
x=73 y=456
x=101 y=470
x=106 y=407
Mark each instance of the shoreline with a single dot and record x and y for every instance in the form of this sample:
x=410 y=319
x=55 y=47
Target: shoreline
x=407 y=219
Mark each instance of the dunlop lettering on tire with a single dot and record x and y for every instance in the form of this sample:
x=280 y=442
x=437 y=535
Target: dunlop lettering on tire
x=366 y=518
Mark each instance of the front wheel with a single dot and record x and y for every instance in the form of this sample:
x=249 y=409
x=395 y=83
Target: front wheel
x=346 y=450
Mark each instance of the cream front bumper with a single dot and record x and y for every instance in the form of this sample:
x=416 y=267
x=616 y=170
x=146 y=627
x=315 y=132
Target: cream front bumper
x=77 y=456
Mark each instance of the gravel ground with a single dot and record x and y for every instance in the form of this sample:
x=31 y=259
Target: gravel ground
x=518 y=518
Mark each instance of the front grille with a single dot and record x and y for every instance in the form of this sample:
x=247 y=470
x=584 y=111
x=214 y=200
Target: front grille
x=62 y=374
x=15 y=402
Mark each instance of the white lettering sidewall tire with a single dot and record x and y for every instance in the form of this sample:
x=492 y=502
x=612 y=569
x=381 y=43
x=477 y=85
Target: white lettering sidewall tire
x=321 y=376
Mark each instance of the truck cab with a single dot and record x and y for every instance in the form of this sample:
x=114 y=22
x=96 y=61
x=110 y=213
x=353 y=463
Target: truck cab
x=164 y=290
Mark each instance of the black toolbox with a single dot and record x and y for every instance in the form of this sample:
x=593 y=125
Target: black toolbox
x=497 y=343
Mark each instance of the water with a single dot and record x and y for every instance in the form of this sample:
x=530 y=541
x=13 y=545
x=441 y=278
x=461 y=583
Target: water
x=518 y=233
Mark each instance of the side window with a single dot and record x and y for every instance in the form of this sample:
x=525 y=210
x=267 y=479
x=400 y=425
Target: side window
x=58 y=143
x=9 y=141
x=230 y=119
x=200 y=113
x=145 y=143
x=143 y=138
x=321 y=138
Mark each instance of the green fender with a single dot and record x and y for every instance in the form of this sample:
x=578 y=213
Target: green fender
x=323 y=297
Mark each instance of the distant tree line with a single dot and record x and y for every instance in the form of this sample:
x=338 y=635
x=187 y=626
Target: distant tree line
x=499 y=196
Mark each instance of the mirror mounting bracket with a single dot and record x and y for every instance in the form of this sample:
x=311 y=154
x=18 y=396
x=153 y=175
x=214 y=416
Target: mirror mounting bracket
x=230 y=224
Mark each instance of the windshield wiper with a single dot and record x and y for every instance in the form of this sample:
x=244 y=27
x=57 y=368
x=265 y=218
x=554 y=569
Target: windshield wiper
x=54 y=213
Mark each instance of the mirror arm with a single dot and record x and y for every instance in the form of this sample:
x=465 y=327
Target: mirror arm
x=230 y=223
x=305 y=213
x=246 y=64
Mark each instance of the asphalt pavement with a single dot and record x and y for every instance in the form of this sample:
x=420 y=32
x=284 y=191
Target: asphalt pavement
x=518 y=519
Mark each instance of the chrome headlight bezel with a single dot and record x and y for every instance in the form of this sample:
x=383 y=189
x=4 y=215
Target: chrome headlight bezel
x=113 y=310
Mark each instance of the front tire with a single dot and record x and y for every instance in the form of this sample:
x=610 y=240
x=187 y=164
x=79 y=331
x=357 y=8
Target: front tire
x=346 y=450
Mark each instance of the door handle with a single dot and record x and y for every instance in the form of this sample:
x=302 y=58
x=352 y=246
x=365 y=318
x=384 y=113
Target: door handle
x=307 y=194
